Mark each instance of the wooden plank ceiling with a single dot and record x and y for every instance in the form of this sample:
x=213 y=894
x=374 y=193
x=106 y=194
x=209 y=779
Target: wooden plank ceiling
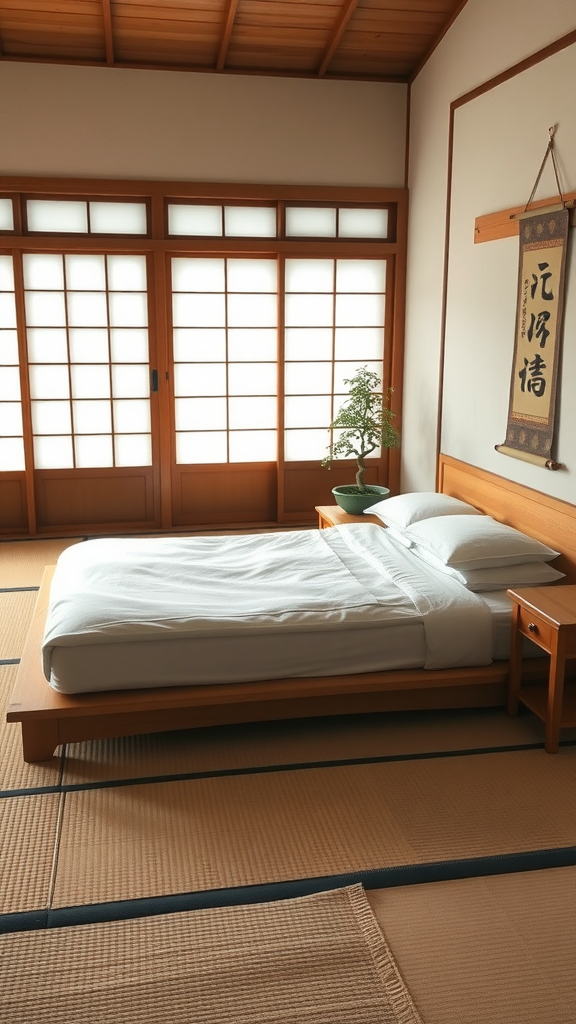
x=382 y=40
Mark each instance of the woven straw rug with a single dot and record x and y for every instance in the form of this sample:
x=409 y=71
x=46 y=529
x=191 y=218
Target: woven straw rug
x=315 y=960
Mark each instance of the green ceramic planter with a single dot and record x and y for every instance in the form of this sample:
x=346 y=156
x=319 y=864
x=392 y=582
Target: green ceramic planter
x=354 y=502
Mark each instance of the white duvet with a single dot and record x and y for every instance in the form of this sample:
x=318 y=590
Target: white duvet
x=285 y=585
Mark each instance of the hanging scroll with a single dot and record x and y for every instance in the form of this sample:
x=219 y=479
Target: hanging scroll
x=543 y=243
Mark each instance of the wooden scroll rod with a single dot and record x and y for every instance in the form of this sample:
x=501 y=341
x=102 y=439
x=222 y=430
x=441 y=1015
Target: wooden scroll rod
x=505 y=223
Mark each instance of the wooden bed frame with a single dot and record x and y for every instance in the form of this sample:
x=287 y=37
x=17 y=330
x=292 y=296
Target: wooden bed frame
x=50 y=718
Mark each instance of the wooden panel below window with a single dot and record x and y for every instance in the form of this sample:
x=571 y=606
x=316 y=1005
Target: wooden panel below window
x=13 y=514
x=99 y=498
x=225 y=494
x=307 y=485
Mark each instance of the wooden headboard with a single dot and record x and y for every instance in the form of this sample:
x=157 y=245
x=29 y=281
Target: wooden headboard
x=548 y=519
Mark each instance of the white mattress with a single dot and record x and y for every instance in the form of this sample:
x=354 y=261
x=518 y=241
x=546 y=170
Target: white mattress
x=126 y=614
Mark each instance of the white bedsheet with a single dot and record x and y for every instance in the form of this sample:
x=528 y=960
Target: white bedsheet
x=305 y=593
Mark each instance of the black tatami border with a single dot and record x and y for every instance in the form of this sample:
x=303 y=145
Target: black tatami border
x=377 y=878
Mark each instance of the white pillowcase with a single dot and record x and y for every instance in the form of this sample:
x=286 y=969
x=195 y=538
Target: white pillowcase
x=404 y=509
x=502 y=577
x=476 y=542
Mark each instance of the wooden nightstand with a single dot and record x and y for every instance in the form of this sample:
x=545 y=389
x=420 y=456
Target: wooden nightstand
x=333 y=515
x=546 y=615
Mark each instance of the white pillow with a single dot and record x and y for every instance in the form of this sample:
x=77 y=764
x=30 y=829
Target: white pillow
x=502 y=577
x=476 y=542
x=404 y=509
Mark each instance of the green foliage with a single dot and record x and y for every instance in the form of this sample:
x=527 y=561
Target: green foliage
x=365 y=422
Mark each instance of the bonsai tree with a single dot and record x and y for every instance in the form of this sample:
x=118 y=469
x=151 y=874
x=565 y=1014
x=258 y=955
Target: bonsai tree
x=365 y=420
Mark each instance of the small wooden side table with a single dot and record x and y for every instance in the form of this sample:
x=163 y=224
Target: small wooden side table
x=546 y=615
x=333 y=515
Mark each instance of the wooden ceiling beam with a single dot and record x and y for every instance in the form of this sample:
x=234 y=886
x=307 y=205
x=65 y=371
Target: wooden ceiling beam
x=338 y=31
x=226 y=35
x=108 y=34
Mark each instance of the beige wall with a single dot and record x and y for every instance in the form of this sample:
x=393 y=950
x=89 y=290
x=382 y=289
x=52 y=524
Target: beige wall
x=79 y=122
x=499 y=142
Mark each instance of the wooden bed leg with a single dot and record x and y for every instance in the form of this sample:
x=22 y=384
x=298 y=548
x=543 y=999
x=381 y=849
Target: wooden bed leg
x=39 y=740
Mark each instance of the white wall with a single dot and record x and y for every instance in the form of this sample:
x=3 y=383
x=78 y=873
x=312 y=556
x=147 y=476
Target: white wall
x=104 y=122
x=499 y=142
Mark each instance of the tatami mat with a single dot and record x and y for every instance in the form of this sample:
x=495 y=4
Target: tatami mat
x=15 y=615
x=304 y=741
x=22 y=562
x=15 y=774
x=28 y=827
x=319 y=959
x=130 y=842
x=493 y=950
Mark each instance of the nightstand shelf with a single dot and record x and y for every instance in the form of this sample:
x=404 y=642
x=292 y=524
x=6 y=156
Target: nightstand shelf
x=547 y=616
x=333 y=515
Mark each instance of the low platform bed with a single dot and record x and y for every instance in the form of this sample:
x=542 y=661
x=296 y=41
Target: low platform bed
x=50 y=718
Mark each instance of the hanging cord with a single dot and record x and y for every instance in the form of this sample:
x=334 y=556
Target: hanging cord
x=550 y=151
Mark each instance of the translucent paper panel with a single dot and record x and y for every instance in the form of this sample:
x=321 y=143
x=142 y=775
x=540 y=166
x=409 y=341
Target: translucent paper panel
x=311 y=222
x=8 y=348
x=131 y=416
x=9 y=384
x=308 y=343
x=194 y=220
x=129 y=346
x=6 y=215
x=51 y=418
x=309 y=311
x=87 y=309
x=309 y=411
x=196 y=345
x=133 y=449
x=6 y=274
x=361 y=275
x=252 y=379
x=252 y=275
x=250 y=221
x=198 y=275
x=89 y=345
x=253 y=446
x=248 y=344
x=362 y=223
x=93 y=451
x=128 y=309
x=199 y=379
x=43 y=271
x=53 y=453
x=47 y=345
x=252 y=310
x=126 y=273
x=7 y=310
x=309 y=275
x=90 y=381
x=249 y=413
x=118 y=218
x=361 y=343
x=201 y=447
x=57 y=215
x=92 y=417
x=201 y=414
x=11 y=454
x=305 y=445
x=308 y=378
x=359 y=310
x=199 y=310
x=49 y=381
x=45 y=309
x=131 y=381
x=10 y=419
x=85 y=273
